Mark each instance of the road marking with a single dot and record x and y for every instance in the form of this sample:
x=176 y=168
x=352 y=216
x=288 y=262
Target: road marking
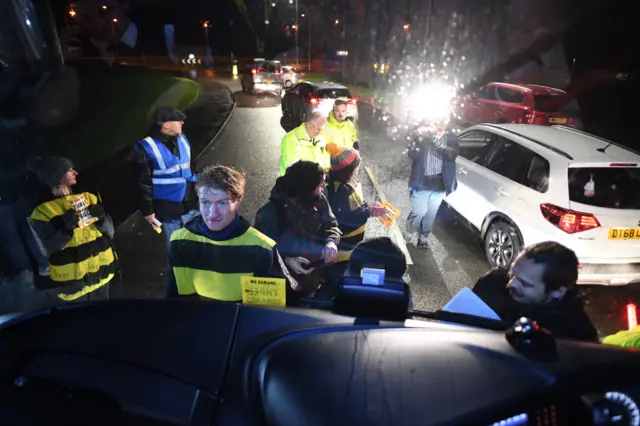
x=454 y=277
x=395 y=230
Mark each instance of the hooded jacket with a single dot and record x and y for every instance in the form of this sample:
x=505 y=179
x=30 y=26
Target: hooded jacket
x=299 y=227
x=342 y=133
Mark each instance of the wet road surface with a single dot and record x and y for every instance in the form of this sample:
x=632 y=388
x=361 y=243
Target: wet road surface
x=455 y=258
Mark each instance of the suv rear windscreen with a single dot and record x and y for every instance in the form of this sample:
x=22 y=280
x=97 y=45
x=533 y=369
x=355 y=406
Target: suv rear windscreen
x=550 y=103
x=333 y=93
x=613 y=187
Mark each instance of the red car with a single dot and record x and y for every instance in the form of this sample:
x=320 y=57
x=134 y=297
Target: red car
x=515 y=103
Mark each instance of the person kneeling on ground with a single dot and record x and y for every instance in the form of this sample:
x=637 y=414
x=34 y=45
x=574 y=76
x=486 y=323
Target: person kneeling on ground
x=299 y=218
x=74 y=232
x=214 y=250
x=541 y=285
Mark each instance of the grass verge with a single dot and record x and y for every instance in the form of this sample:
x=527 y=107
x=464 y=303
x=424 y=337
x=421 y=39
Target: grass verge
x=115 y=111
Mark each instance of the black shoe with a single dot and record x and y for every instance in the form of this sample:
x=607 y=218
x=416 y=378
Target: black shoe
x=422 y=241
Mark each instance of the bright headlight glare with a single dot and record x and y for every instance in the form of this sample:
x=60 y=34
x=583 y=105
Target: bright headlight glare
x=430 y=102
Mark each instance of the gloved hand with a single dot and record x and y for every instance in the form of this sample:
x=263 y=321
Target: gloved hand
x=70 y=219
x=97 y=211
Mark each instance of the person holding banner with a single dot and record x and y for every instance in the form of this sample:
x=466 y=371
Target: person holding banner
x=74 y=232
x=214 y=250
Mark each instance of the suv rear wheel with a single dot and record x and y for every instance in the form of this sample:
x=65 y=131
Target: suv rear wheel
x=501 y=244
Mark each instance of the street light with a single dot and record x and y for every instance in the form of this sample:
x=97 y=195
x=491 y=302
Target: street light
x=205 y=25
x=72 y=13
x=405 y=27
x=337 y=21
x=308 y=42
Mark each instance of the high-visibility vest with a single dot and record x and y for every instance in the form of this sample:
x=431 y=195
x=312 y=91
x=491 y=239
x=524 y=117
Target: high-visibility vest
x=212 y=268
x=87 y=262
x=351 y=234
x=170 y=173
x=297 y=145
x=342 y=133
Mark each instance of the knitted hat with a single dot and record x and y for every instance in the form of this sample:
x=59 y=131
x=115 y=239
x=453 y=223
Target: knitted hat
x=302 y=178
x=341 y=157
x=50 y=170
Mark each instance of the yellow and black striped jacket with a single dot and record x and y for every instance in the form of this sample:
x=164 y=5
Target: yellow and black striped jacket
x=80 y=261
x=352 y=214
x=210 y=264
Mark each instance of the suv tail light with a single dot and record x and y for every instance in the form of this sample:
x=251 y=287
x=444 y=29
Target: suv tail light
x=352 y=102
x=570 y=221
x=313 y=101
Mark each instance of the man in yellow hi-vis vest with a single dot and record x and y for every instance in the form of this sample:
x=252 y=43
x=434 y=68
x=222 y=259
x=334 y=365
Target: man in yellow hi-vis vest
x=341 y=130
x=210 y=255
x=306 y=142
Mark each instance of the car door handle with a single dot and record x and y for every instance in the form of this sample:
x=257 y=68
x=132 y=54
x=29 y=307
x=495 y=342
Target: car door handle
x=462 y=171
x=502 y=192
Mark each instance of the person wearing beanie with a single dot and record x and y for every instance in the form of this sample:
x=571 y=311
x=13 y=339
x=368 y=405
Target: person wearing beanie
x=74 y=232
x=340 y=129
x=347 y=204
x=299 y=219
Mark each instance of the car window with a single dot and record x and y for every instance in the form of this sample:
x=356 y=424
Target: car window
x=519 y=164
x=474 y=145
x=333 y=93
x=304 y=90
x=613 y=187
x=486 y=92
x=509 y=95
x=550 y=103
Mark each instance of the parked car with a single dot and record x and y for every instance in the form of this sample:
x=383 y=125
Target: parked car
x=305 y=98
x=262 y=76
x=291 y=76
x=511 y=103
x=520 y=184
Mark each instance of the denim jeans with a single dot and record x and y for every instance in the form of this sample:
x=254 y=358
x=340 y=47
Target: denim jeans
x=424 y=207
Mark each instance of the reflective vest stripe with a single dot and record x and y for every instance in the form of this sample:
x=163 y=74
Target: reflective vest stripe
x=171 y=170
x=167 y=181
x=186 y=147
x=156 y=152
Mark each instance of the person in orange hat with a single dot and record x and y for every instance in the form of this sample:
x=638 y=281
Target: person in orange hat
x=348 y=206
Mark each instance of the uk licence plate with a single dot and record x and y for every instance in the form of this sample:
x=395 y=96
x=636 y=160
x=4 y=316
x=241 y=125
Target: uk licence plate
x=624 y=233
x=557 y=120
x=268 y=81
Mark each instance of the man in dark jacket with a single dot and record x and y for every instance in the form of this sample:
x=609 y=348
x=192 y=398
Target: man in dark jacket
x=541 y=285
x=299 y=219
x=433 y=176
x=163 y=173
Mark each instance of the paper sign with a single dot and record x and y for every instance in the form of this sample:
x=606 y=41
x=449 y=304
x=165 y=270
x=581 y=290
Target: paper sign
x=80 y=205
x=390 y=216
x=264 y=291
x=467 y=302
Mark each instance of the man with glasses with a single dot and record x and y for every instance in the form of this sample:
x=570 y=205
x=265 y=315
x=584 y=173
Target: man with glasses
x=305 y=143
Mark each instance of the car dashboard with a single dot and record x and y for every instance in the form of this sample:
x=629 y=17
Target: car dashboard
x=192 y=363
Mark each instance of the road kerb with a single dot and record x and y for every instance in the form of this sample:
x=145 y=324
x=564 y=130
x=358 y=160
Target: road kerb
x=213 y=139
x=395 y=229
x=219 y=132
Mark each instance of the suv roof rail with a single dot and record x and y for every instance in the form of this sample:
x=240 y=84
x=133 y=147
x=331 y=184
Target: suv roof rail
x=552 y=148
x=607 y=141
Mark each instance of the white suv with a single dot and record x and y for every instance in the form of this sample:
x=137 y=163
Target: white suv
x=520 y=184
